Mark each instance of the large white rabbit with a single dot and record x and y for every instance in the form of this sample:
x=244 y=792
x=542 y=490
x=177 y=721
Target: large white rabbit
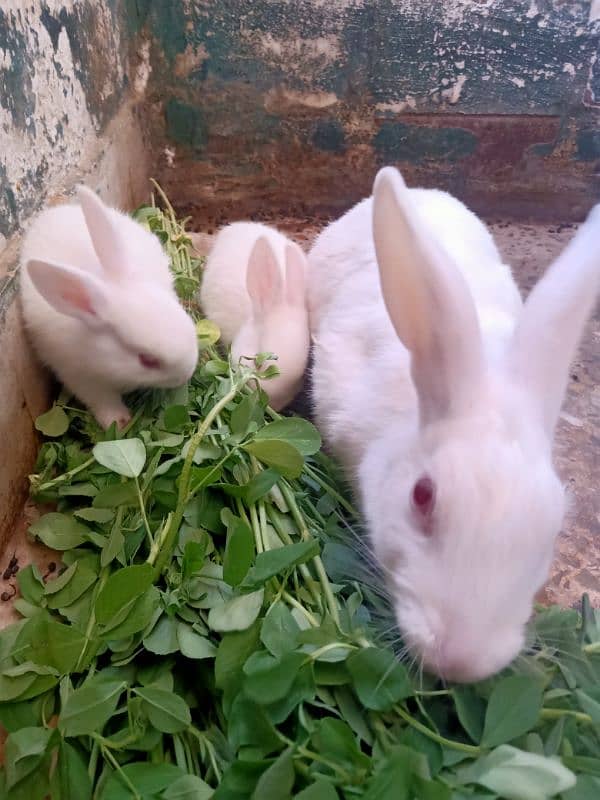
x=253 y=288
x=100 y=307
x=440 y=391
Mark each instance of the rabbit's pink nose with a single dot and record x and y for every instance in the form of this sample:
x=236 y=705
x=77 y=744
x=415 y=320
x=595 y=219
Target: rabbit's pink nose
x=150 y=362
x=457 y=663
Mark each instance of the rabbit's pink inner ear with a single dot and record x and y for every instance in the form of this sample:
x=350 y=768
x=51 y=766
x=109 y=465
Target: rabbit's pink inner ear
x=263 y=277
x=105 y=237
x=69 y=291
x=78 y=298
x=295 y=275
x=553 y=321
x=428 y=302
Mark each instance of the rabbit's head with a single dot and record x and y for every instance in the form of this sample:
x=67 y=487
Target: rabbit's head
x=141 y=334
x=279 y=320
x=464 y=506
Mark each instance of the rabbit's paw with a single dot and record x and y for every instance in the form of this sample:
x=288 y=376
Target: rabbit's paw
x=108 y=414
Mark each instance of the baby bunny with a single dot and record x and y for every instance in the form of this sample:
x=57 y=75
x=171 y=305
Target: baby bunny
x=99 y=303
x=253 y=288
x=440 y=391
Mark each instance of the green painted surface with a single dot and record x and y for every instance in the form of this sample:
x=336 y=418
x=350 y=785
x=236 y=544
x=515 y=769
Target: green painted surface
x=329 y=135
x=186 y=125
x=168 y=25
x=381 y=56
x=588 y=144
x=136 y=14
x=397 y=141
x=517 y=57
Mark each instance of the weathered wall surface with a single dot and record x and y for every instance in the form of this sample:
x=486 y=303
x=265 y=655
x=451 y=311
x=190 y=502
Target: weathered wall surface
x=67 y=113
x=62 y=76
x=298 y=103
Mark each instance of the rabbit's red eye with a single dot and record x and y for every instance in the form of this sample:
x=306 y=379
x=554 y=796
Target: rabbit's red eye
x=150 y=362
x=423 y=496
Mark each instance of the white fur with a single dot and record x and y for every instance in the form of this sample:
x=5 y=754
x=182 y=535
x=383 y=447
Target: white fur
x=253 y=288
x=427 y=362
x=97 y=292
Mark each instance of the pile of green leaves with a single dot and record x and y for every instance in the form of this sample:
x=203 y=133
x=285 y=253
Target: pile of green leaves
x=209 y=635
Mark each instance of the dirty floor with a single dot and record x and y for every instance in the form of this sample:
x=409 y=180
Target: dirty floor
x=529 y=249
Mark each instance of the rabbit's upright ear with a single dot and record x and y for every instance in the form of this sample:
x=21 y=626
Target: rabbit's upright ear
x=295 y=275
x=70 y=291
x=263 y=277
x=428 y=302
x=553 y=320
x=106 y=238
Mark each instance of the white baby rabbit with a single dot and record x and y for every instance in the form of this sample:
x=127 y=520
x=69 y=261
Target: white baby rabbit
x=440 y=391
x=253 y=288
x=99 y=303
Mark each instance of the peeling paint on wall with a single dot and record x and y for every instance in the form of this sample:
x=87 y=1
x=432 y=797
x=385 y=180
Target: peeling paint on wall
x=186 y=124
x=282 y=86
x=240 y=97
x=397 y=141
x=62 y=77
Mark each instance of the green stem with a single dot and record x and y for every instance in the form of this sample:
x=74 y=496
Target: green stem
x=262 y=520
x=326 y=648
x=171 y=528
x=205 y=742
x=160 y=540
x=92 y=620
x=255 y=524
x=93 y=762
x=123 y=744
x=424 y=713
x=188 y=754
x=241 y=509
x=304 y=570
x=592 y=648
x=330 y=490
x=66 y=476
x=557 y=713
x=295 y=604
x=310 y=754
x=329 y=596
x=207 y=478
x=435 y=737
x=322 y=575
x=259 y=521
x=386 y=740
x=315 y=757
x=171 y=218
x=115 y=764
x=143 y=511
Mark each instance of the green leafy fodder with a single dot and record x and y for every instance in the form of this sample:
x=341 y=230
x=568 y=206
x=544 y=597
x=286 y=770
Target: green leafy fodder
x=195 y=645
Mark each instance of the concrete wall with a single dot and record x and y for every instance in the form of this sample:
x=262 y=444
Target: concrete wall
x=67 y=113
x=298 y=103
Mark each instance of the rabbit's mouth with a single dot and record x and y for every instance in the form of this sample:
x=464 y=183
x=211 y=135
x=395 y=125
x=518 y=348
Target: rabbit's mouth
x=459 y=654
